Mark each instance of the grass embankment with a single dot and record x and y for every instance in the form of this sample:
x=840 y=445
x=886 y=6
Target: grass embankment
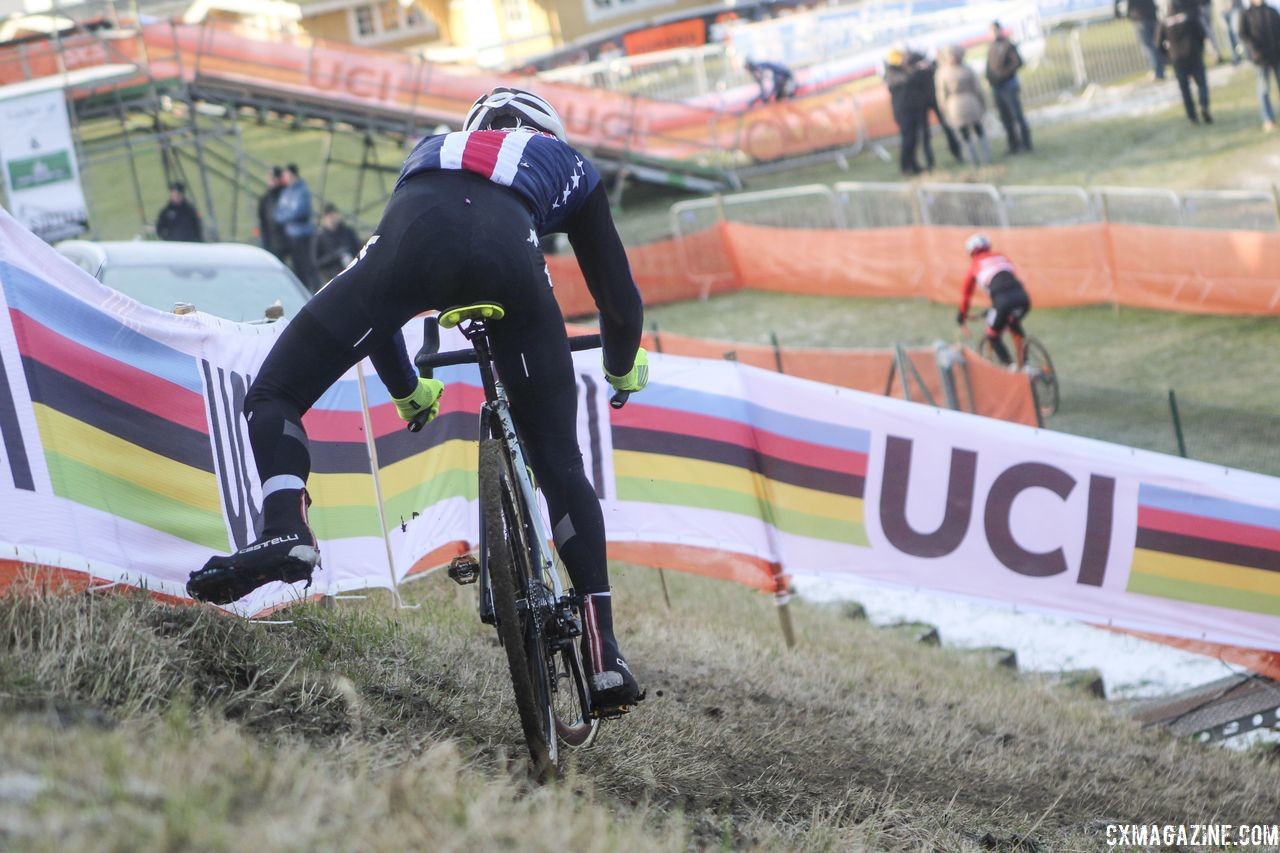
x=1115 y=366
x=134 y=726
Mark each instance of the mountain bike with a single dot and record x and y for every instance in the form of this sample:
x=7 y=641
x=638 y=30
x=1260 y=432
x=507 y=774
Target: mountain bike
x=1030 y=357
x=539 y=622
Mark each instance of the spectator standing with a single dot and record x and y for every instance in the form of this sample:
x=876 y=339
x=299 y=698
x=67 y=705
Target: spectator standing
x=293 y=212
x=960 y=95
x=336 y=243
x=179 y=220
x=1003 y=62
x=1144 y=16
x=1260 y=33
x=928 y=70
x=1230 y=10
x=906 y=97
x=1181 y=36
x=269 y=231
x=1210 y=34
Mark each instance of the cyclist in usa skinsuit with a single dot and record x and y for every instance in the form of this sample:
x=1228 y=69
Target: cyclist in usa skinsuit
x=994 y=273
x=462 y=226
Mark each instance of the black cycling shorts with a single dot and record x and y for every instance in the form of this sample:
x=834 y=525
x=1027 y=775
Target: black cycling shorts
x=1008 y=306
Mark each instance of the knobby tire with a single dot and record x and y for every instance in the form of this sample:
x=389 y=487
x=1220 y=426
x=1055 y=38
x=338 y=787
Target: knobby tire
x=509 y=580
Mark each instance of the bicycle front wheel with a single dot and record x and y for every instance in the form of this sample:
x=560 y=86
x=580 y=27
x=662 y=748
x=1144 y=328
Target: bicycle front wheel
x=518 y=604
x=1043 y=378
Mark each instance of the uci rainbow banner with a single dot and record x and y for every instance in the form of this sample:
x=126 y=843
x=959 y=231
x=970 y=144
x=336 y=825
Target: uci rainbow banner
x=126 y=460
x=719 y=458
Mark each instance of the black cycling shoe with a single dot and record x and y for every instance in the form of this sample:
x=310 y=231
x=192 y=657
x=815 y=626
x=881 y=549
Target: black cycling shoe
x=614 y=690
x=613 y=687
x=289 y=558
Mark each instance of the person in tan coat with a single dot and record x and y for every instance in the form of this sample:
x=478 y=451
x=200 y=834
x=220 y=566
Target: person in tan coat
x=963 y=105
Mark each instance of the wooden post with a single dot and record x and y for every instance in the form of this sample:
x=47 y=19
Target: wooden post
x=782 y=598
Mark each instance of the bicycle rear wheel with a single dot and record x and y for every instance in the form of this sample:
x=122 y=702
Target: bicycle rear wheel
x=518 y=605
x=1038 y=365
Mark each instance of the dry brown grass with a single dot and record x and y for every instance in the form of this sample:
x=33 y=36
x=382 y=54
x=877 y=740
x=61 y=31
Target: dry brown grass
x=149 y=727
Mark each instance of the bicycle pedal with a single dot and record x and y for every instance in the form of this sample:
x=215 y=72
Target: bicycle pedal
x=610 y=713
x=464 y=570
x=617 y=711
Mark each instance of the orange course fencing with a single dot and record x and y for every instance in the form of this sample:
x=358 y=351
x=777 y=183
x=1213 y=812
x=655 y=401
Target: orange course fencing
x=1173 y=269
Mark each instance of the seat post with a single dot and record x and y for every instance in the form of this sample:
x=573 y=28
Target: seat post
x=479 y=336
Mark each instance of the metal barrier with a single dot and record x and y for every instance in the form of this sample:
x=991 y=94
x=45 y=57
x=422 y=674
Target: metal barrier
x=896 y=205
x=1241 y=210
x=1032 y=206
x=812 y=206
x=1139 y=206
x=973 y=205
x=878 y=205
x=680 y=74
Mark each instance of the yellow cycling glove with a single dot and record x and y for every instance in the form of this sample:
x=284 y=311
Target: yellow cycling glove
x=425 y=397
x=636 y=379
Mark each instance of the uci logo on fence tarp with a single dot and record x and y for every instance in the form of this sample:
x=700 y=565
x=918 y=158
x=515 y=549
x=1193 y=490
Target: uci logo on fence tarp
x=228 y=433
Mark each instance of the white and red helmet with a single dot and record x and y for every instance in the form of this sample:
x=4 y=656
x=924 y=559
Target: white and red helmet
x=977 y=243
x=528 y=109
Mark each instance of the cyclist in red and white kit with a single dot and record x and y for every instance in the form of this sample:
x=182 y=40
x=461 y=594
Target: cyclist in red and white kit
x=1009 y=300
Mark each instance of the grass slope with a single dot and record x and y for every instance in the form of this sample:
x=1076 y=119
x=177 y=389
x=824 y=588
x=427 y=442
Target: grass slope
x=134 y=726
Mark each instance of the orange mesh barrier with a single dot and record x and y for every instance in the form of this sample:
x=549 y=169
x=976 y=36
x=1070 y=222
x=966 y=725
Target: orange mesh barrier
x=996 y=393
x=1173 y=269
x=667 y=271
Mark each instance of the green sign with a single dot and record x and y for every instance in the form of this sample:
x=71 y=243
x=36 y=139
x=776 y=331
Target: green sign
x=40 y=170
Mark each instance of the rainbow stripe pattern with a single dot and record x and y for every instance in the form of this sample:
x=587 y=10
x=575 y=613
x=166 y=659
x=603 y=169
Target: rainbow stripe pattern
x=416 y=469
x=1206 y=550
x=689 y=448
x=121 y=415
x=125 y=428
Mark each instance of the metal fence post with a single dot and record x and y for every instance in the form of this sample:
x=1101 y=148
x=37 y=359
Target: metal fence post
x=1078 y=67
x=1177 y=424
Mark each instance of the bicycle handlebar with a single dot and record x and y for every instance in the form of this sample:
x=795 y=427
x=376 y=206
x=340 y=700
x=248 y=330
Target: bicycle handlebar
x=428 y=359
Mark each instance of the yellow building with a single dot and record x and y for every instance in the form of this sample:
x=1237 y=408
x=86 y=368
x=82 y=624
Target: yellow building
x=389 y=24
x=489 y=32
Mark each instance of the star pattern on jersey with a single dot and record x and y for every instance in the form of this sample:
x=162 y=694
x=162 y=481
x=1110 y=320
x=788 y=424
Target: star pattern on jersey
x=571 y=184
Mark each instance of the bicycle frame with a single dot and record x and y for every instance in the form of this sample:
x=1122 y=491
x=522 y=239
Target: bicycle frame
x=496 y=421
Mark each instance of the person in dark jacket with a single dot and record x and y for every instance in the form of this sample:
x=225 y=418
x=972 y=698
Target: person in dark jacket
x=1003 y=62
x=293 y=213
x=336 y=243
x=179 y=220
x=269 y=231
x=1181 y=36
x=1260 y=33
x=1145 y=17
x=907 y=97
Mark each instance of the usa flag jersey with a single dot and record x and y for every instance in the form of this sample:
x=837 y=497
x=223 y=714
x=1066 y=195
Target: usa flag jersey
x=552 y=177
